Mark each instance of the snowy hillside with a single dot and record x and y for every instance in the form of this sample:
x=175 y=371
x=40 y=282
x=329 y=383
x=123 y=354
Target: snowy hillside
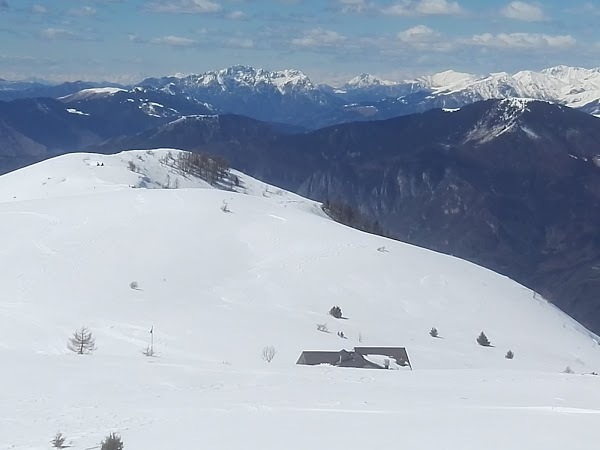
x=87 y=94
x=220 y=286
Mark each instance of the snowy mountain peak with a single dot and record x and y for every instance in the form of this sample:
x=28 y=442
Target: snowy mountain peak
x=570 y=74
x=502 y=118
x=571 y=86
x=366 y=80
x=246 y=76
x=447 y=80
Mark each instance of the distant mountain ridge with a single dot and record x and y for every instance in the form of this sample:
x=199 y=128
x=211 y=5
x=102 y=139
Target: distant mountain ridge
x=286 y=96
x=291 y=97
x=575 y=87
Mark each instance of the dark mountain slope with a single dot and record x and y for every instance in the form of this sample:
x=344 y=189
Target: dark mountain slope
x=47 y=121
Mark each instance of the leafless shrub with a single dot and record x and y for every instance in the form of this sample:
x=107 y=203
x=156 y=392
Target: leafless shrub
x=323 y=327
x=82 y=342
x=268 y=353
x=149 y=351
x=58 y=441
x=212 y=169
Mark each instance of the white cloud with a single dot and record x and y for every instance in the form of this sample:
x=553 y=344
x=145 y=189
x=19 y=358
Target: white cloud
x=83 y=11
x=423 y=8
x=523 y=11
x=355 y=6
x=39 y=9
x=319 y=37
x=185 y=6
x=237 y=15
x=57 y=33
x=524 y=40
x=417 y=34
x=174 y=41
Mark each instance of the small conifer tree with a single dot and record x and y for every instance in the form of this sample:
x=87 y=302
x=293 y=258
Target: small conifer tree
x=433 y=332
x=336 y=312
x=509 y=355
x=112 y=442
x=483 y=340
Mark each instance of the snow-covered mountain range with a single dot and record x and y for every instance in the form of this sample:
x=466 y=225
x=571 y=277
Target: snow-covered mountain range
x=216 y=287
x=286 y=96
x=571 y=86
x=290 y=97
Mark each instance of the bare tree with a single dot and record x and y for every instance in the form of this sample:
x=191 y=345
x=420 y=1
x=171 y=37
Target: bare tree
x=58 y=441
x=112 y=442
x=82 y=342
x=323 y=327
x=268 y=353
x=149 y=351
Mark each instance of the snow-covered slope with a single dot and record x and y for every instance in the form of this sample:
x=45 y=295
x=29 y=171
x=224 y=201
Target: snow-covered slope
x=447 y=80
x=219 y=286
x=87 y=94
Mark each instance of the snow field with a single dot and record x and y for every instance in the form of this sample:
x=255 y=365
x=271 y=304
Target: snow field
x=218 y=287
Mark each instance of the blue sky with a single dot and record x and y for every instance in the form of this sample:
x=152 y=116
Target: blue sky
x=330 y=40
